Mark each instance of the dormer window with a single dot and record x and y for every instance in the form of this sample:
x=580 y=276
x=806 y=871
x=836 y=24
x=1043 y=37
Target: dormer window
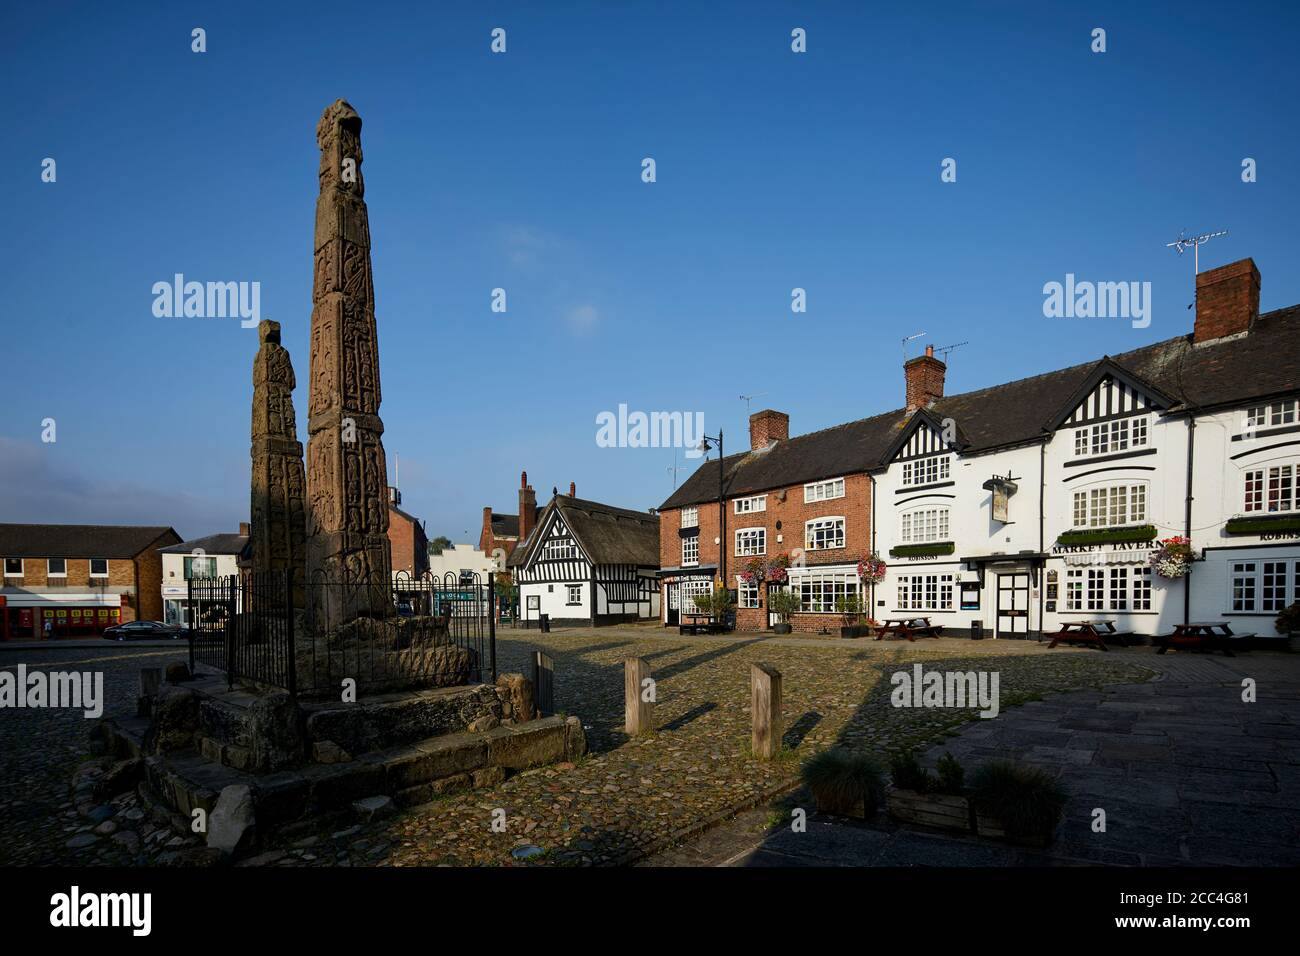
x=1278 y=413
x=1114 y=436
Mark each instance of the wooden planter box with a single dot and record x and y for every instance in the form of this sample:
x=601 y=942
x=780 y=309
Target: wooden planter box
x=942 y=811
x=991 y=827
x=780 y=628
x=857 y=810
x=853 y=630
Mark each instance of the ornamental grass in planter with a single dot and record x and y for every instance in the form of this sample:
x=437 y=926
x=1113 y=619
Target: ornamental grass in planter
x=844 y=783
x=1016 y=803
x=782 y=603
x=931 y=801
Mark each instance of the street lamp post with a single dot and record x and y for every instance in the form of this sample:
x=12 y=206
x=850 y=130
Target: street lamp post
x=707 y=442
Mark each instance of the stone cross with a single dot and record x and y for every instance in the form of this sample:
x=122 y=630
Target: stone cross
x=347 y=484
x=278 y=500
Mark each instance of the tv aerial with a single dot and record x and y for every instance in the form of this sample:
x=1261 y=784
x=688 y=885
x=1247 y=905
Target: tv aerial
x=908 y=338
x=945 y=349
x=1184 y=242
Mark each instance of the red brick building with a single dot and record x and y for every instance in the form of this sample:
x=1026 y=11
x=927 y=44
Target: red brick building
x=80 y=578
x=407 y=539
x=505 y=531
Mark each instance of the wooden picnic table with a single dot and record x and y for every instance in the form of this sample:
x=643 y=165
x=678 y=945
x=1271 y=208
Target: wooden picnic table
x=701 y=622
x=1202 y=635
x=1086 y=632
x=907 y=627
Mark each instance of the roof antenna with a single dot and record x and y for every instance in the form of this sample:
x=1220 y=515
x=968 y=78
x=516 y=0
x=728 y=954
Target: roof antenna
x=1183 y=241
x=908 y=338
x=749 y=401
x=945 y=349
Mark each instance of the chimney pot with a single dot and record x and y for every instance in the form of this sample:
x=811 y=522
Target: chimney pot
x=523 y=479
x=1227 y=301
x=766 y=427
x=245 y=528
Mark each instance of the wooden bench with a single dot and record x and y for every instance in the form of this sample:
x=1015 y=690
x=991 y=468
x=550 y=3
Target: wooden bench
x=708 y=625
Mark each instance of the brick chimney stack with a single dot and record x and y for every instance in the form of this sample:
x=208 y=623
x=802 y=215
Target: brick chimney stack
x=924 y=375
x=766 y=427
x=573 y=490
x=245 y=529
x=527 y=506
x=1227 y=301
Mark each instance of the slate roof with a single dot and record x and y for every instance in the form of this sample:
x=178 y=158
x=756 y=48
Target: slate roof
x=79 y=540
x=607 y=534
x=212 y=544
x=1260 y=365
x=505 y=526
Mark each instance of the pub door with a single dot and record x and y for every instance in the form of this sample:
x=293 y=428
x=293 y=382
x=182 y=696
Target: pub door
x=1013 y=605
x=673 y=614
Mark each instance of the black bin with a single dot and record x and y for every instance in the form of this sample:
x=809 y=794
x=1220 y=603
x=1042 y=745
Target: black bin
x=976 y=630
x=545 y=622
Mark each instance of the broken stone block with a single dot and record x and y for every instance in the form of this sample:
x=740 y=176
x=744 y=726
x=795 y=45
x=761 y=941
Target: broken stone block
x=327 y=751
x=484 y=723
x=575 y=739
x=373 y=808
x=460 y=781
x=119 y=778
x=175 y=720
x=520 y=689
x=230 y=825
x=488 y=777
x=534 y=744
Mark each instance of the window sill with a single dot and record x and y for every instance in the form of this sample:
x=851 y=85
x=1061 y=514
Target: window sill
x=928 y=550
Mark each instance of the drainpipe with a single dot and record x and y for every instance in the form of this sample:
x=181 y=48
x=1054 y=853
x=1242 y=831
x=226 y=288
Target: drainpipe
x=1042 y=542
x=871 y=521
x=1187 y=516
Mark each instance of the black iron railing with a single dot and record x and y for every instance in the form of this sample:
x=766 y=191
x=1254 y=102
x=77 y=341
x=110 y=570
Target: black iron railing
x=311 y=639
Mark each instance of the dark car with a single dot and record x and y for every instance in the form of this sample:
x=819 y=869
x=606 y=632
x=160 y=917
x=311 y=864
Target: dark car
x=143 y=630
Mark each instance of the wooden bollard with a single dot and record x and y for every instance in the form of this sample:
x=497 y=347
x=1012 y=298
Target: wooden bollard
x=544 y=684
x=765 y=701
x=638 y=697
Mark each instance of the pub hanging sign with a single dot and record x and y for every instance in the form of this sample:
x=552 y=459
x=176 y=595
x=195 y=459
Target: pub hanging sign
x=1001 y=490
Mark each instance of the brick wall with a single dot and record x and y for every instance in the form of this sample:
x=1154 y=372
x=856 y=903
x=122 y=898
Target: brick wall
x=924 y=379
x=401 y=539
x=855 y=507
x=147 y=603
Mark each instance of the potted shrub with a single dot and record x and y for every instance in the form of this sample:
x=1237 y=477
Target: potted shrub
x=844 y=783
x=1016 y=803
x=850 y=608
x=782 y=603
x=931 y=801
x=1287 y=624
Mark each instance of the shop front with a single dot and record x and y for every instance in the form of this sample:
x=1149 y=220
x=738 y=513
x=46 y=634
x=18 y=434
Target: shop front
x=68 y=615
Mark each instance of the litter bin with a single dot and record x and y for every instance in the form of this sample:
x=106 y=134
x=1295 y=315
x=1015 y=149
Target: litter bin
x=545 y=623
x=976 y=631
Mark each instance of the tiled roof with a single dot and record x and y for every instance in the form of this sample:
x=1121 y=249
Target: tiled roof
x=505 y=526
x=79 y=540
x=1257 y=366
x=212 y=544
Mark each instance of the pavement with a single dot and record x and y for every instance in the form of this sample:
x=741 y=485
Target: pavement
x=1186 y=771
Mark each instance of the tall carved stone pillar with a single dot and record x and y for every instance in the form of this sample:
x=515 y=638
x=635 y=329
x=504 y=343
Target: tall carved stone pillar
x=347 y=485
x=279 y=490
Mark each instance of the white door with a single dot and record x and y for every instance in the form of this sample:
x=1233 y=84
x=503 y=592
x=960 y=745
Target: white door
x=1013 y=605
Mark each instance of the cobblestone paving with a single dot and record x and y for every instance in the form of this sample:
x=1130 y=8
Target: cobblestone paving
x=629 y=796
x=40 y=750
x=625 y=798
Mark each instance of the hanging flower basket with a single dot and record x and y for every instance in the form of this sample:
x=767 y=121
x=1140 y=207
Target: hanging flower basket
x=871 y=569
x=755 y=571
x=1173 y=559
x=776 y=569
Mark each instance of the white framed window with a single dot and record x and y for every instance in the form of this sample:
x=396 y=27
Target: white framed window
x=751 y=541
x=1123 y=588
x=690 y=590
x=818 y=591
x=823 y=490
x=1110 y=506
x=56 y=568
x=747 y=593
x=691 y=551
x=1278 y=413
x=557 y=549
x=200 y=567
x=745 y=506
x=1243 y=585
x=1273 y=580
x=1271 y=488
x=691 y=517
x=574 y=595
x=925 y=592
x=926 y=471
x=99 y=567
x=1113 y=436
x=13 y=567
x=823 y=534
x=923 y=525
x=1074 y=589
x=1142 y=588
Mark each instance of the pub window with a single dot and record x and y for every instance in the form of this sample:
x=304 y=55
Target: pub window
x=924 y=525
x=1074 y=589
x=818 y=591
x=751 y=541
x=925 y=592
x=926 y=471
x=691 y=517
x=1243 y=585
x=1113 y=436
x=1110 y=506
x=691 y=550
x=823 y=490
x=1273 y=582
x=99 y=567
x=1096 y=589
x=13 y=567
x=57 y=567
x=1271 y=488
x=575 y=594
x=1141 y=589
x=747 y=592
x=746 y=506
x=821 y=534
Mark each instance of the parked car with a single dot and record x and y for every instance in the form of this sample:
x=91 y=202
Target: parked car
x=143 y=630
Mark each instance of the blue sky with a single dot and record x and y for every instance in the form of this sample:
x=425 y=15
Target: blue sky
x=522 y=171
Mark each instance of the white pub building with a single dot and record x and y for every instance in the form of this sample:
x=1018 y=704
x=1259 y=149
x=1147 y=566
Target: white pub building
x=1019 y=507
